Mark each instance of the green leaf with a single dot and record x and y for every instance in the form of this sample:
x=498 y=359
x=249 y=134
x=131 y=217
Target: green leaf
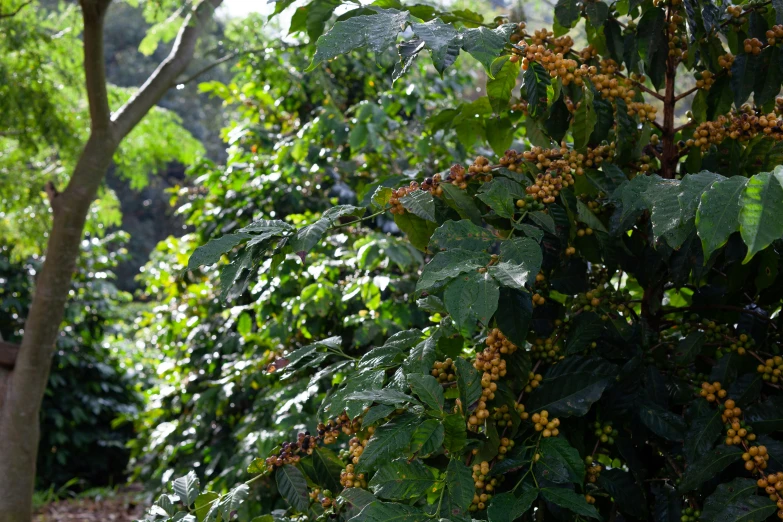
x=211 y=253
x=500 y=134
x=484 y=44
x=442 y=40
x=625 y=492
x=743 y=76
x=499 y=89
x=292 y=485
x=402 y=480
x=326 y=468
x=585 y=120
x=386 y=396
x=461 y=202
x=417 y=229
x=234 y=499
x=748 y=509
x=767 y=416
x=570 y=387
x=565 y=498
x=461 y=234
x=535 y=82
x=725 y=495
x=597 y=12
x=428 y=437
x=662 y=422
x=459 y=481
x=420 y=203
x=560 y=462
x=389 y=512
x=524 y=254
x=718 y=214
x=389 y=441
x=187 y=488
x=506 y=507
x=567 y=12
x=471 y=298
x=709 y=466
x=447 y=265
x=376 y=413
x=427 y=389
x=378 y=32
x=761 y=216
x=689 y=347
x=468 y=383
x=705 y=429
x=515 y=311
x=586 y=216
x=650 y=33
x=456 y=434
x=500 y=195
x=204 y=503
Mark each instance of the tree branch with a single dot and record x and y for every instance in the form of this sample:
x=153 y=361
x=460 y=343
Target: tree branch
x=93 y=14
x=16 y=11
x=165 y=76
x=224 y=59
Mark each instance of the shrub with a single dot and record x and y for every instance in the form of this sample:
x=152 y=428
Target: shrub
x=609 y=343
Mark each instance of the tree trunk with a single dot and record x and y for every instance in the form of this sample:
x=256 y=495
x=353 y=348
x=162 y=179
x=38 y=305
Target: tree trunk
x=24 y=386
x=22 y=389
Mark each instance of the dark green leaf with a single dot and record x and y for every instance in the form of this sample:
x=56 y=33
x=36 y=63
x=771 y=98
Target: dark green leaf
x=718 y=214
x=292 y=485
x=572 y=386
x=389 y=441
x=565 y=498
x=761 y=215
x=402 y=480
x=428 y=437
x=709 y=466
x=211 y=253
x=427 y=388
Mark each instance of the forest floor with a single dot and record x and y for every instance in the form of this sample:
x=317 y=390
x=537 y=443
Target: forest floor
x=120 y=506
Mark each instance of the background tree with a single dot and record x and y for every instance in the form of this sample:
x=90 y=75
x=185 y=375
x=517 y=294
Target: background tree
x=22 y=389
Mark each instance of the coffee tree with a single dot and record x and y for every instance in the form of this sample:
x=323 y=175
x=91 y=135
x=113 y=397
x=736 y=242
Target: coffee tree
x=606 y=334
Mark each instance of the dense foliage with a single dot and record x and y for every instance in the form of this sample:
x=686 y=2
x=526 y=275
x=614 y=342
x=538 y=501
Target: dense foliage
x=92 y=383
x=607 y=344
x=301 y=143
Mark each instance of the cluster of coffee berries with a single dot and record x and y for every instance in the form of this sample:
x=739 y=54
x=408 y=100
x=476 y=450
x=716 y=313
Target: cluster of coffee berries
x=590 y=499
x=704 y=79
x=538 y=299
x=529 y=203
x=506 y=445
x=519 y=407
x=737 y=431
x=542 y=423
x=774 y=34
x=432 y=185
x=547 y=349
x=771 y=369
x=593 y=470
x=533 y=382
x=756 y=458
x=329 y=431
x=690 y=514
x=741 y=127
x=726 y=61
x=518 y=34
x=734 y=11
x=584 y=231
x=481 y=168
x=547 y=186
x=398 y=194
x=588 y=301
x=502 y=417
x=712 y=392
x=752 y=46
x=325 y=497
x=290 y=452
x=350 y=479
x=444 y=371
x=493 y=367
x=484 y=486
x=605 y=432
x=773 y=486
x=551 y=53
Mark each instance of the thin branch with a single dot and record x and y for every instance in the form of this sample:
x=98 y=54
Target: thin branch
x=126 y=118
x=93 y=14
x=214 y=64
x=686 y=93
x=16 y=11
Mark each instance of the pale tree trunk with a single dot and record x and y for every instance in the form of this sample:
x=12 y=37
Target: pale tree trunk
x=22 y=389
